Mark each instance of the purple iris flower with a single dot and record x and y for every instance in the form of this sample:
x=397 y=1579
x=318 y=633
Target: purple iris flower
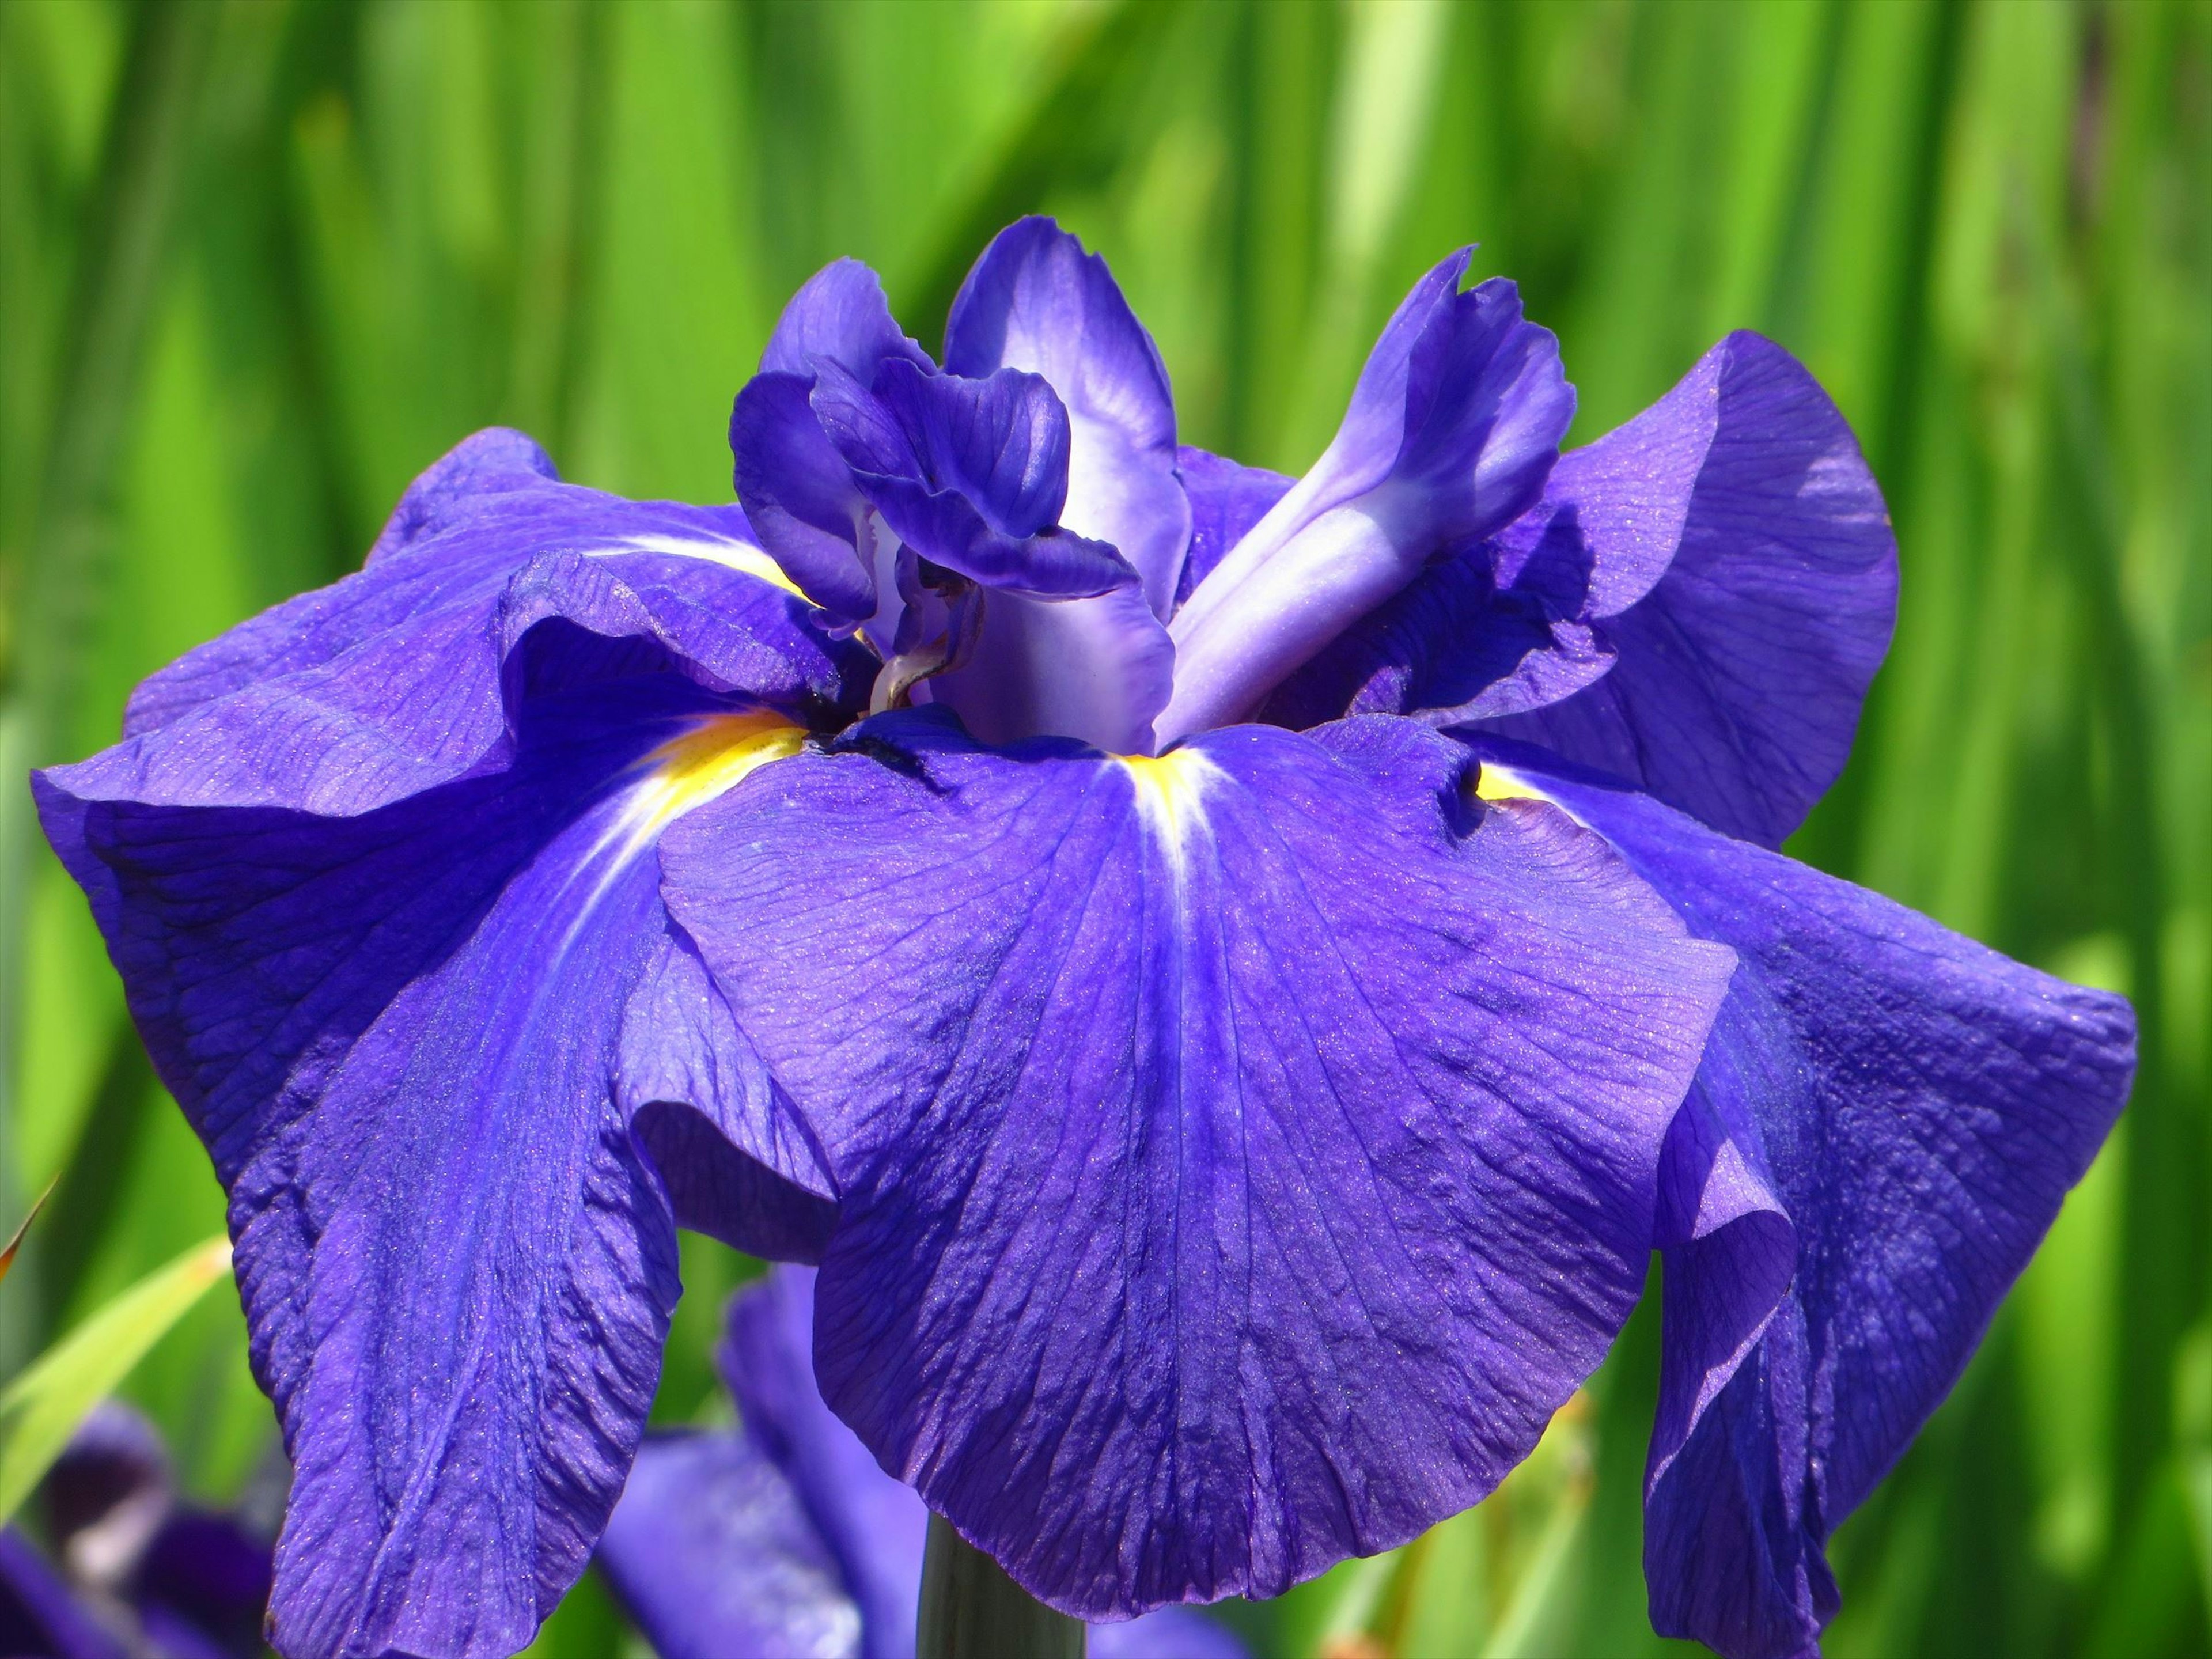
x=134 y=1571
x=1230 y=977
x=781 y=1538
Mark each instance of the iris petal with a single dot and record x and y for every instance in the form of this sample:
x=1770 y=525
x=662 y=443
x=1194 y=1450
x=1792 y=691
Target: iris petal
x=1227 y=500
x=839 y=313
x=379 y=921
x=783 y=1536
x=1226 y=1186
x=1741 y=669
x=970 y=474
x=712 y=1554
x=1037 y=301
x=1917 y=1106
x=1453 y=427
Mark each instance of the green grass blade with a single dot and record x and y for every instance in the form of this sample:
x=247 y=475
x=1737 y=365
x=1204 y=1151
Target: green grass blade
x=42 y=1407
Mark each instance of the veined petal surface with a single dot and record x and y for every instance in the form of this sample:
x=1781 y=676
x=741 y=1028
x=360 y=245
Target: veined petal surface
x=783 y=1538
x=1037 y=301
x=1917 y=1106
x=1240 y=1154
x=389 y=682
x=392 y=996
x=1747 y=614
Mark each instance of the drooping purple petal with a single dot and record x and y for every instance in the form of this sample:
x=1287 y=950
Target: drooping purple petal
x=873 y=1525
x=1037 y=301
x=455 y=1268
x=696 y=1094
x=712 y=1554
x=391 y=998
x=1741 y=669
x=840 y=313
x=1240 y=1154
x=1227 y=500
x=1453 y=427
x=1919 y=1106
x=397 y=1033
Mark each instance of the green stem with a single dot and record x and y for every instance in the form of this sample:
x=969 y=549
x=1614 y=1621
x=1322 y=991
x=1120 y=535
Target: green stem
x=971 y=1610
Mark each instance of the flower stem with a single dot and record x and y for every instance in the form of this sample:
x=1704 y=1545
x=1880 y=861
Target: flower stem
x=971 y=1610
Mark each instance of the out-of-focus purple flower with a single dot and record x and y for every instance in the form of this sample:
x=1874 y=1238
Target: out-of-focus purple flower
x=1222 y=1158
x=135 y=1571
x=782 y=1539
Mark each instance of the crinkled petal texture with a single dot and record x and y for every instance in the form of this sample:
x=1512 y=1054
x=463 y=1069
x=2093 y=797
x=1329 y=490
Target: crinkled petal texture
x=1037 y=301
x=1697 y=603
x=1895 y=1111
x=1240 y=1155
x=1744 y=567
x=378 y=871
x=1453 y=427
x=783 y=1539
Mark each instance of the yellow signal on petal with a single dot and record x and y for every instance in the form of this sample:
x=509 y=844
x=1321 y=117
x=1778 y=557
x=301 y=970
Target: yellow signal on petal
x=1496 y=783
x=706 y=761
x=1170 y=794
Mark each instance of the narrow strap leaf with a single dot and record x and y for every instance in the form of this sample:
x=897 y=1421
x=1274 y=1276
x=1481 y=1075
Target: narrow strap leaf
x=42 y=1407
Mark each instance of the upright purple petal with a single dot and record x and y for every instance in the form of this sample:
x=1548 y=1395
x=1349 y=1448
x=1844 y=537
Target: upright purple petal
x=840 y=313
x=1240 y=1154
x=1741 y=669
x=1918 y=1105
x=712 y=1554
x=1453 y=427
x=969 y=474
x=1037 y=301
x=799 y=497
x=1459 y=645
x=797 y=490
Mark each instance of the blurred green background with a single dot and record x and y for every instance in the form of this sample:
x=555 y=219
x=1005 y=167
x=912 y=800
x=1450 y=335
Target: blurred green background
x=261 y=262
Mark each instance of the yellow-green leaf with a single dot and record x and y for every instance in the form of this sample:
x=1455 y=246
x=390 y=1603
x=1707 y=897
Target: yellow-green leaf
x=42 y=1407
